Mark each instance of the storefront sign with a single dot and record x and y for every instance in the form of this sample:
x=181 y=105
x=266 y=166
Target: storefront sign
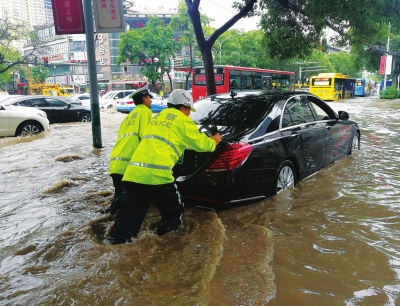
x=68 y=17
x=109 y=16
x=102 y=59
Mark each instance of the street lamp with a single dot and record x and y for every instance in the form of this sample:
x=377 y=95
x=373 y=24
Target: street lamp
x=220 y=47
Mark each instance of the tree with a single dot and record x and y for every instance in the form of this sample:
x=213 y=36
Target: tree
x=206 y=44
x=181 y=23
x=39 y=74
x=12 y=34
x=294 y=28
x=151 y=47
x=343 y=63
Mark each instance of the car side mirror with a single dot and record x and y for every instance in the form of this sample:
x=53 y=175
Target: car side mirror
x=68 y=106
x=343 y=115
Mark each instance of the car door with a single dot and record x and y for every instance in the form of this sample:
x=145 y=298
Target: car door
x=60 y=111
x=337 y=135
x=37 y=102
x=304 y=135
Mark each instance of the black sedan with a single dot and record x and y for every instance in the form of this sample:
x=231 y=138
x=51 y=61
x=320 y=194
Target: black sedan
x=270 y=141
x=58 y=109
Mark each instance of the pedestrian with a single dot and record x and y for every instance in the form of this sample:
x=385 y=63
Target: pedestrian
x=149 y=180
x=130 y=133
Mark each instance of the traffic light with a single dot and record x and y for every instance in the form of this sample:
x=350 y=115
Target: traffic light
x=46 y=61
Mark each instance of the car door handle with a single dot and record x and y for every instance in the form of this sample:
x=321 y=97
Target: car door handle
x=328 y=128
x=294 y=135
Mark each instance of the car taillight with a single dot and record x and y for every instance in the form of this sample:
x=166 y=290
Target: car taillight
x=231 y=157
x=129 y=102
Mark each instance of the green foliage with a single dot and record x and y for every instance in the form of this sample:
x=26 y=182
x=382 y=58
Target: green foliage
x=39 y=74
x=294 y=29
x=151 y=47
x=391 y=92
x=343 y=63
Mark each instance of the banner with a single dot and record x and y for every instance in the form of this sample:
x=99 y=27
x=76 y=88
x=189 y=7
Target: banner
x=109 y=16
x=388 y=67
x=68 y=17
x=382 y=65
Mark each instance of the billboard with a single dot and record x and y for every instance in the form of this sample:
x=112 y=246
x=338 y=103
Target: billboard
x=68 y=17
x=108 y=16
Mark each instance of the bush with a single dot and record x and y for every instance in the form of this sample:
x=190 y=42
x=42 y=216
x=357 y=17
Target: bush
x=391 y=92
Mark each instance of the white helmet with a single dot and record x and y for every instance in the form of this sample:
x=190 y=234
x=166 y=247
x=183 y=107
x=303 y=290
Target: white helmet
x=181 y=97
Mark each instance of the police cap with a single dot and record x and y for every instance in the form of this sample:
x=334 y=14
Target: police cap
x=144 y=91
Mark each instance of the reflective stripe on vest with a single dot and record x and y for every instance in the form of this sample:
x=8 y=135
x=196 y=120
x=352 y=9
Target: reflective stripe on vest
x=129 y=134
x=149 y=166
x=165 y=141
x=119 y=158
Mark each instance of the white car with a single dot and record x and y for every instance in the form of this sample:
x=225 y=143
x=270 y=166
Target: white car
x=110 y=99
x=22 y=121
x=5 y=97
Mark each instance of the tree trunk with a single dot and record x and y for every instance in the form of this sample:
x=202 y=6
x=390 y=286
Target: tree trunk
x=209 y=70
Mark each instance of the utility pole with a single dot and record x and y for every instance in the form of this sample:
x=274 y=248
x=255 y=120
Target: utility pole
x=300 y=69
x=220 y=47
x=94 y=95
x=387 y=52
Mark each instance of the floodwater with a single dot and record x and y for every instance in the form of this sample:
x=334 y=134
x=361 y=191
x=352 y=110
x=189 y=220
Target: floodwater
x=332 y=240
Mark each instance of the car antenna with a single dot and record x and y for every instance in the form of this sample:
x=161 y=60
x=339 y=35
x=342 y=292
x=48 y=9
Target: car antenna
x=233 y=94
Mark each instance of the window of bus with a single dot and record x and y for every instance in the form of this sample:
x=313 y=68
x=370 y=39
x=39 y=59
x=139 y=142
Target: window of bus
x=282 y=82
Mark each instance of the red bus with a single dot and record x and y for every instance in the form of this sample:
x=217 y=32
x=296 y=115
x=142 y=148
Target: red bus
x=231 y=78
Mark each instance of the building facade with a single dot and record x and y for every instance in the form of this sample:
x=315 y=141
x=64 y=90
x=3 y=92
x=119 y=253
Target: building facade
x=67 y=56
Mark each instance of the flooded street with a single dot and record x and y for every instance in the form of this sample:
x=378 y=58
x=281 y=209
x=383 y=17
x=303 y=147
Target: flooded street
x=332 y=240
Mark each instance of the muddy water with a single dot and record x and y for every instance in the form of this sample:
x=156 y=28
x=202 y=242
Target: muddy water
x=333 y=240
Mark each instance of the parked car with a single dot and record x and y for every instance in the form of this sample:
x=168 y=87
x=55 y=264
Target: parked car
x=270 y=141
x=21 y=121
x=57 y=110
x=69 y=100
x=7 y=96
x=109 y=100
x=126 y=105
x=80 y=97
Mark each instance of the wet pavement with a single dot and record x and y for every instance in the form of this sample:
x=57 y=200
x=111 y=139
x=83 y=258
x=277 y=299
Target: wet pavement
x=332 y=240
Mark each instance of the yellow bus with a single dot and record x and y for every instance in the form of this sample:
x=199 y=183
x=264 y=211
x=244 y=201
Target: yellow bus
x=332 y=86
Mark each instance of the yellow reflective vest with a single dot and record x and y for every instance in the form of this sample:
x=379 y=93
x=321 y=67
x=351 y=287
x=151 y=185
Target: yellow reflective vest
x=130 y=133
x=165 y=140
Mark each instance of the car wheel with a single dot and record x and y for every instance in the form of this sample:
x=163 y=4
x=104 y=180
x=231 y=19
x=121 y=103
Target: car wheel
x=28 y=128
x=286 y=177
x=110 y=107
x=85 y=117
x=355 y=143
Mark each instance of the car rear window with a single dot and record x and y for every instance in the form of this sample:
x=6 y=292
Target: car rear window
x=244 y=112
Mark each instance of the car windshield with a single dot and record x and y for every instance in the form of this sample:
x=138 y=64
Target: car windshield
x=108 y=95
x=241 y=113
x=10 y=101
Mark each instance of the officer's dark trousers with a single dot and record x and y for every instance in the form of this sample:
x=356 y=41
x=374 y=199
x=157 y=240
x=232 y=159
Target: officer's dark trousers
x=136 y=200
x=116 y=203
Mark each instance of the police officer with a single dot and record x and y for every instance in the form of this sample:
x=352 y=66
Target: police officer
x=130 y=133
x=148 y=179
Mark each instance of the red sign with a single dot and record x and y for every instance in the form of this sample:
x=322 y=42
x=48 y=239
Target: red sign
x=68 y=17
x=382 y=65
